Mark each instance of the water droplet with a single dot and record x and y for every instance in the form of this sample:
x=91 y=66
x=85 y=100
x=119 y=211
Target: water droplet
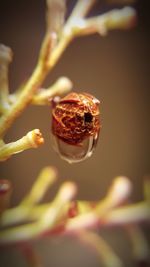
x=75 y=153
x=75 y=126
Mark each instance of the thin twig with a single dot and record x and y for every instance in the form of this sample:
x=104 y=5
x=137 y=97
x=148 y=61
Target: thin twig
x=118 y=193
x=32 y=139
x=132 y=213
x=139 y=243
x=62 y=86
x=26 y=210
x=116 y=19
x=5 y=59
x=96 y=243
x=56 y=10
x=45 y=179
x=46 y=222
x=32 y=84
x=81 y=9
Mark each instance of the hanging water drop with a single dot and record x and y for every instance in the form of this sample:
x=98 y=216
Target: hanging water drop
x=76 y=126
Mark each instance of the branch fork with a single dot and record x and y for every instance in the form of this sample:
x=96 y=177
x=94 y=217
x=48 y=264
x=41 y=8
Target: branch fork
x=31 y=220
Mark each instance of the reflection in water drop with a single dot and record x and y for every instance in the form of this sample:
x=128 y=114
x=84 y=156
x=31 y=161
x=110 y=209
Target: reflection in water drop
x=74 y=153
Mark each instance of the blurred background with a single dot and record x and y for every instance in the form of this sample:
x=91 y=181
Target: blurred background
x=115 y=69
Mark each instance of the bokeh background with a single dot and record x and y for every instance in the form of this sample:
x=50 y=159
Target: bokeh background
x=115 y=69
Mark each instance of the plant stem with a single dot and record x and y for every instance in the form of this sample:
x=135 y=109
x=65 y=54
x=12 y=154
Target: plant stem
x=81 y=8
x=5 y=59
x=45 y=179
x=38 y=76
x=139 y=243
x=104 y=251
x=62 y=86
x=46 y=222
x=31 y=140
x=128 y=214
x=23 y=99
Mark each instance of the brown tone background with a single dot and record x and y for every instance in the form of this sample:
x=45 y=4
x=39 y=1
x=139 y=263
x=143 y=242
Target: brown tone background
x=115 y=69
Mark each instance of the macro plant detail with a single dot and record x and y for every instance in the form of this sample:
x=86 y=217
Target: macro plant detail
x=76 y=126
x=31 y=219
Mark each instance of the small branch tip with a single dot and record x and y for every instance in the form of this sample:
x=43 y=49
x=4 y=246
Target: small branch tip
x=35 y=137
x=68 y=190
x=6 y=54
